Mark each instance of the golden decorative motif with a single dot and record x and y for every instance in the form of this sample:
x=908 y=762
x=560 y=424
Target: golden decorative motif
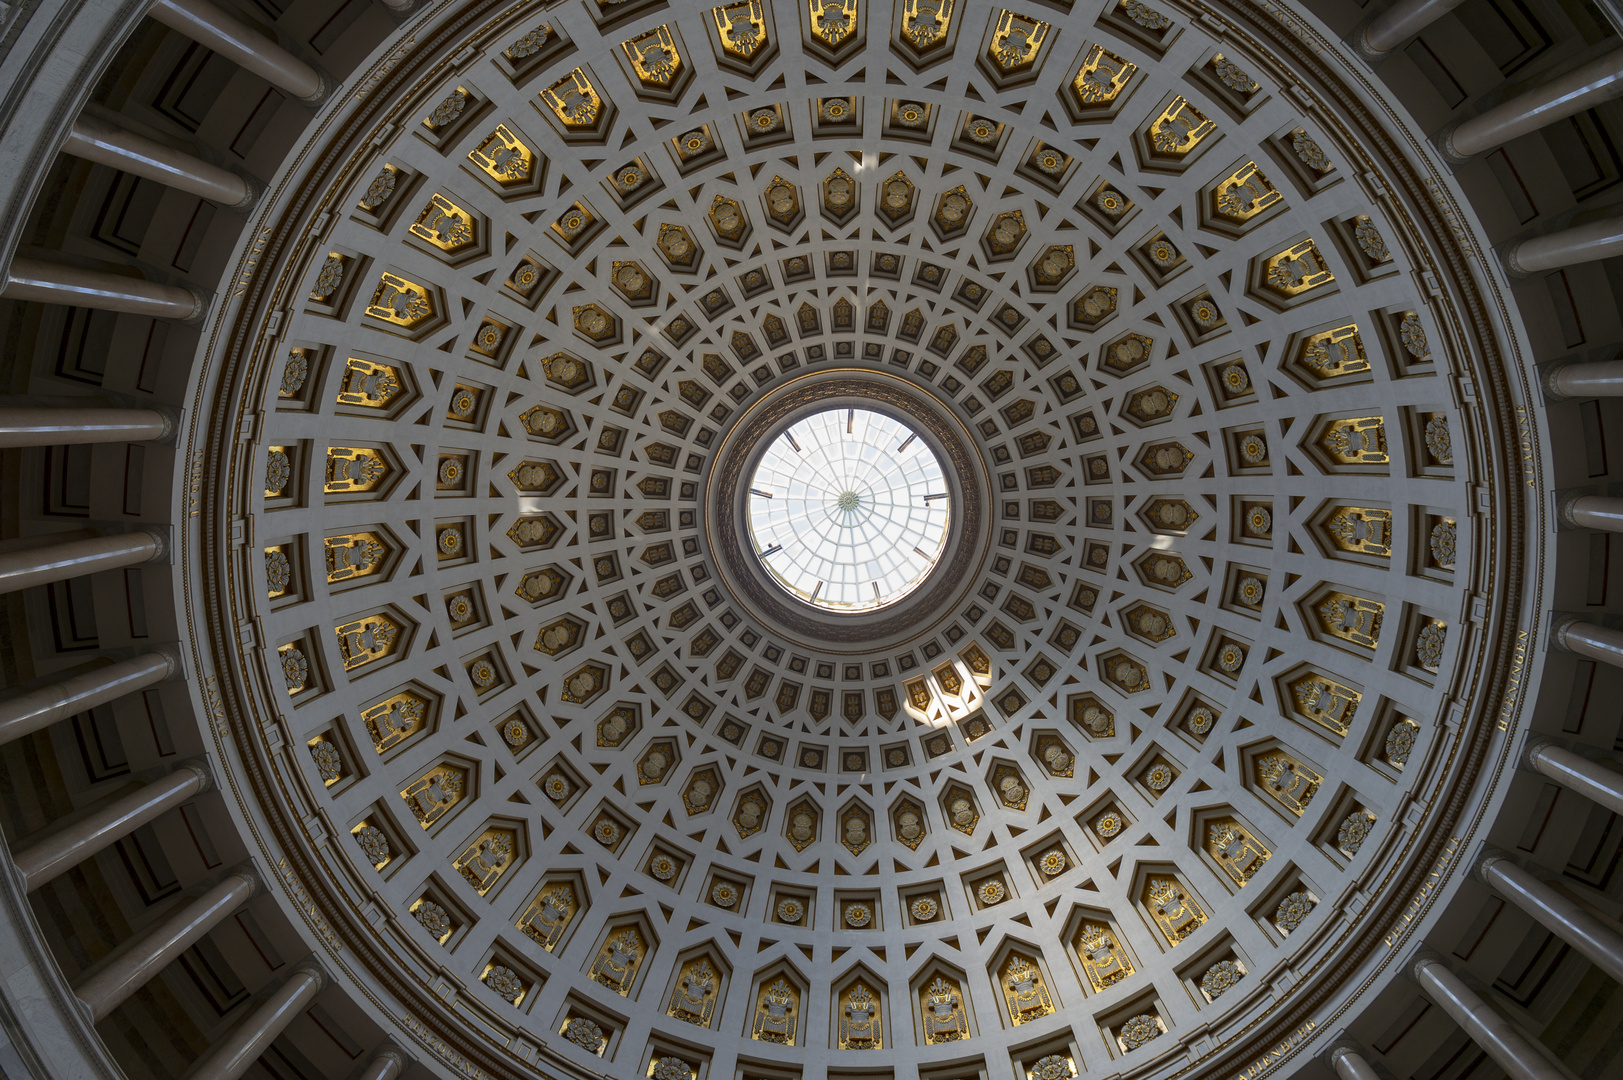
x=1351 y=618
x=1244 y=194
x=574 y=101
x=367 y=384
x=1239 y=853
x=1324 y=701
x=503 y=157
x=777 y=1012
x=1333 y=353
x=1104 y=962
x=1287 y=781
x=1296 y=270
x=396 y=719
x=1016 y=43
x=654 y=57
x=445 y=225
x=833 y=22
x=354 y=555
x=616 y=964
x=800 y=824
x=366 y=640
x=728 y=217
x=1361 y=530
x=400 y=302
x=1179 y=129
x=941 y=1005
x=1101 y=78
x=483 y=862
x=697 y=987
x=1025 y=993
x=549 y=914
x=432 y=795
x=859 y=1020
x=925 y=23
x=1357 y=440
x=741 y=28
x=1173 y=909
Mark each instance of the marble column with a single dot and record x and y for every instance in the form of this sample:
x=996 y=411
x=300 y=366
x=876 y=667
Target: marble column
x=1400 y=22
x=94 y=139
x=241 y=1048
x=1603 y=378
x=136 y=964
x=1586 y=638
x=53 y=426
x=1591 y=512
x=1558 y=914
x=1550 y=100
x=1577 y=773
x=30 y=710
x=1569 y=247
x=1350 y=1064
x=41 y=565
x=63 y=848
x=1481 y=1023
x=50 y=282
x=241 y=44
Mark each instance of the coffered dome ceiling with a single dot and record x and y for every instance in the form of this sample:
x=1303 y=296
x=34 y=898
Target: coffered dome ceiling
x=1141 y=776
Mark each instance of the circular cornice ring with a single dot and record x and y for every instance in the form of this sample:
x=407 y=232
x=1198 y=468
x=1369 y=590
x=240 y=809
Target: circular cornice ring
x=726 y=497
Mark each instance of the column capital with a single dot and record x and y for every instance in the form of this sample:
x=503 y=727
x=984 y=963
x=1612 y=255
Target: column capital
x=200 y=307
x=312 y=967
x=1560 y=627
x=205 y=774
x=1422 y=958
x=251 y=198
x=1486 y=857
x=171 y=423
x=1565 y=503
x=1444 y=142
x=386 y=1062
x=161 y=538
x=170 y=651
x=1530 y=752
x=1547 y=379
x=1507 y=255
x=1358 y=42
x=1340 y=1049
x=249 y=873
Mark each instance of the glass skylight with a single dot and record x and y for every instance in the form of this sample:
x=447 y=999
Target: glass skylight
x=848 y=509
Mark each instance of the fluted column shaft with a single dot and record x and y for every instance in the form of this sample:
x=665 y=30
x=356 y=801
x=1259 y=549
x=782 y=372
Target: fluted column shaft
x=242 y=1047
x=1484 y=1026
x=1577 y=773
x=94 y=139
x=1404 y=20
x=31 y=710
x=1569 y=247
x=1590 y=639
x=1351 y=1065
x=1554 y=99
x=1556 y=913
x=76 y=558
x=135 y=966
x=63 y=848
x=240 y=43
x=52 y=426
x=1603 y=378
x=59 y=283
